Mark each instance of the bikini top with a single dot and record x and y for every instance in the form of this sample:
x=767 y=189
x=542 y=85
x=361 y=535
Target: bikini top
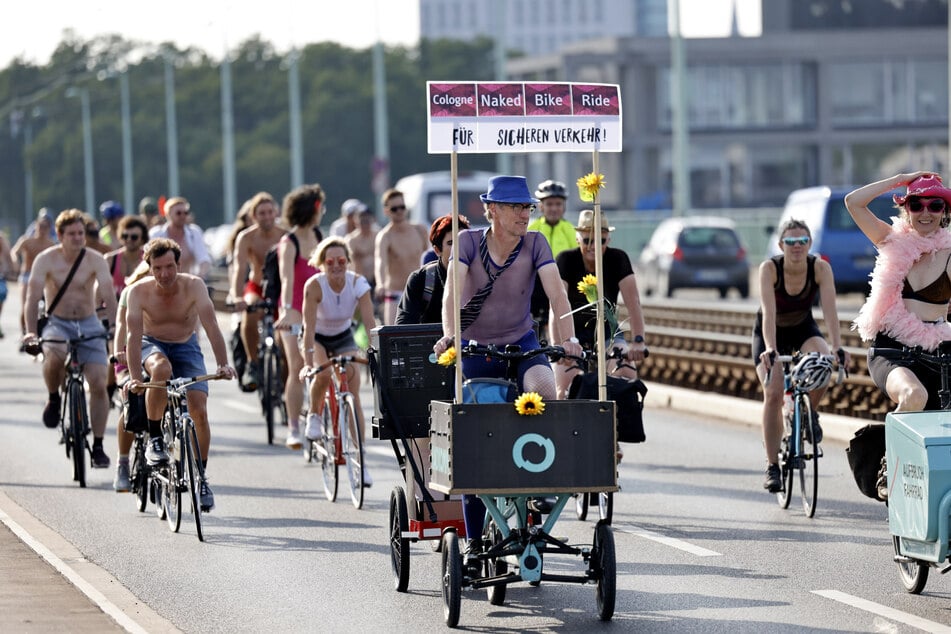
x=938 y=292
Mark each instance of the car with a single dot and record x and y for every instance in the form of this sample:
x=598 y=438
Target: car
x=835 y=237
x=694 y=252
x=428 y=195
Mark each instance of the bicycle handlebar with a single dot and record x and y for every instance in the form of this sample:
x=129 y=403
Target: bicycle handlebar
x=264 y=304
x=941 y=357
x=837 y=361
x=180 y=382
x=337 y=360
x=511 y=353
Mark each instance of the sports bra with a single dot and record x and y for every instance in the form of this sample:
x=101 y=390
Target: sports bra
x=938 y=292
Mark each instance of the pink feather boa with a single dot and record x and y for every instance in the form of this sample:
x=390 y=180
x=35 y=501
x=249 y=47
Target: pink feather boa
x=884 y=310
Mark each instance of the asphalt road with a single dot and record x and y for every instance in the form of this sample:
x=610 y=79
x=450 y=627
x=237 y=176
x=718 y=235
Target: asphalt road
x=700 y=546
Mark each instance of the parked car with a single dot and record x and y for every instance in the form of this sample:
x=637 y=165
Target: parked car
x=429 y=195
x=696 y=252
x=835 y=238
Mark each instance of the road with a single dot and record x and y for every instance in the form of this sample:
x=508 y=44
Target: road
x=700 y=546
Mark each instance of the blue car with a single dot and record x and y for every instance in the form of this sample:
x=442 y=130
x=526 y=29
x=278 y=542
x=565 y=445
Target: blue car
x=835 y=237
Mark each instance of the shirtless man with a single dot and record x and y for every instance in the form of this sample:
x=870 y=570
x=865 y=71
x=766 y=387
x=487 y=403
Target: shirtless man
x=73 y=316
x=250 y=249
x=195 y=258
x=27 y=248
x=399 y=246
x=362 y=244
x=161 y=319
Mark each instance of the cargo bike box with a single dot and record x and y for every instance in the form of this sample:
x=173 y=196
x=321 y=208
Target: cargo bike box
x=489 y=448
x=919 y=481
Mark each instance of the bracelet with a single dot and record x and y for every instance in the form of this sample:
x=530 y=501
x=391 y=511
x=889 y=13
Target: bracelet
x=309 y=350
x=570 y=340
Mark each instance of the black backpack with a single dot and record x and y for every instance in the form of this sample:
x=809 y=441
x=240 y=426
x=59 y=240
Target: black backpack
x=272 y=271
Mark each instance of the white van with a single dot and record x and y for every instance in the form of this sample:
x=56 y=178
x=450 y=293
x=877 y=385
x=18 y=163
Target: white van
x=429 y=195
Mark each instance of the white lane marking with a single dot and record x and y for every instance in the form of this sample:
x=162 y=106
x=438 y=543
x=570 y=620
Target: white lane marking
x=673 y=542
x=883 y=611
x=84 y=586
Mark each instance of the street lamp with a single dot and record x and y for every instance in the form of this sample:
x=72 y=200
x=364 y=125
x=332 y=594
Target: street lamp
x=83 y=94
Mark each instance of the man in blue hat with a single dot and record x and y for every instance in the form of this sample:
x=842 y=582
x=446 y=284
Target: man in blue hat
x=497 y=268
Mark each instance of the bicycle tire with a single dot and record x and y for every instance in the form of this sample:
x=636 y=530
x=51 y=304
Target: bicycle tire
x=77 y=431
x=173 y=489
x=266 y=394
x=809 y=460
x=193 y=472
x=64 y=436
x=351 y=439
x=399 y=545
x=581 y=506
x=495 y=567
x=451 y=578
x=784 y=495
x=913 y=574
x=604 y=561
x=139 y=474
x=606 y=506
x=328 y=454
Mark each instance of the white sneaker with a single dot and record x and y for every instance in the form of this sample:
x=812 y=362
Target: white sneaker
x=367 y=480
x=312 y=430
x=293 y=440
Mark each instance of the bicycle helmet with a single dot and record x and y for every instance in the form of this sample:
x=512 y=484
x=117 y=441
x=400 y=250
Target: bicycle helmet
x=110 y=210
x=550 y=188
x=812 y=372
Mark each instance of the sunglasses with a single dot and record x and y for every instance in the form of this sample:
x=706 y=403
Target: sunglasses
x=588 y=241
x=341 y=261
x=398 y=208
x=803 y=240
x=131 y=236
x=934 y=205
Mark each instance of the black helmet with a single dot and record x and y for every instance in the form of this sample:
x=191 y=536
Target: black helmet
x=550 y=188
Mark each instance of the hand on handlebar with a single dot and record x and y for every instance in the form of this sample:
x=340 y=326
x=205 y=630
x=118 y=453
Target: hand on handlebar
x=572 y=349
x=226 y=372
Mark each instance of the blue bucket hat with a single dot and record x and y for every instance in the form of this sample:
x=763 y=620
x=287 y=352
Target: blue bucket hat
x=508 y=189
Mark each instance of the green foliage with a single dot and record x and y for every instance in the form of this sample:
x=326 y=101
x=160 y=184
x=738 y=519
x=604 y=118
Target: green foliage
x=336 y=92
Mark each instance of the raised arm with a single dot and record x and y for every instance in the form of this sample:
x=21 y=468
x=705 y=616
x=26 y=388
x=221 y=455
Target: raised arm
x=857 y=203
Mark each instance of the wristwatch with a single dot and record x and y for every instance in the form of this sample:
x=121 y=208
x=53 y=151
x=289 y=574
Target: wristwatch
x=638 y=338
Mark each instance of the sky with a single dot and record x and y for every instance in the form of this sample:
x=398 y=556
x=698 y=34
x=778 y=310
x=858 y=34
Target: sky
x=219 y=25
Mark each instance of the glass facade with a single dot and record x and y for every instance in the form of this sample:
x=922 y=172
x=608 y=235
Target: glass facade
x=888 y=91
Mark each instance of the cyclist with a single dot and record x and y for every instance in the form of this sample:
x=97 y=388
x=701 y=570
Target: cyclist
x=36 y=240
x=789 y=284
x=573 y=266
x=73 y=316
x=330 y=299
x=161 y=319
x=250 y=249
x=496 y=266
x=552 y=196
x=421 y=302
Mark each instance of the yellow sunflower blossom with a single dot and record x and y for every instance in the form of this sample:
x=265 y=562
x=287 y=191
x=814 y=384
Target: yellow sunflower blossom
x=529 y=404
x=448 y=357
x=589 y=185
x=588 y=286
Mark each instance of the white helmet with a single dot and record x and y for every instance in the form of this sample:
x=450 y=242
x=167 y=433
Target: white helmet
x=812 y=372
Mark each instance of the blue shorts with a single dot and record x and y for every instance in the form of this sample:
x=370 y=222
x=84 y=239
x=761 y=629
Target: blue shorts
x=478 y=367
x=92 y=351
x=3 y=290
x=185 y=357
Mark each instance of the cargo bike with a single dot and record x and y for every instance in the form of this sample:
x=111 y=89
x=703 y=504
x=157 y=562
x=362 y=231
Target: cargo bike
x=918 y=456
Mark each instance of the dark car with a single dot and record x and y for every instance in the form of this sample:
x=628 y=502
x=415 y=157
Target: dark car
x=697 y=252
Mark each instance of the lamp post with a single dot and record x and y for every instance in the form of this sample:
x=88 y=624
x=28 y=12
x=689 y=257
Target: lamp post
x=83 y=94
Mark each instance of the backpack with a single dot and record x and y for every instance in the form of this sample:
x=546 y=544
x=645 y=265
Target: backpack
x=272 y=271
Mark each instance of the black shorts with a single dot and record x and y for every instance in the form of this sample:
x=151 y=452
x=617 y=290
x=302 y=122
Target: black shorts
x=879 y=368
x=789 y=339
x=337 y=344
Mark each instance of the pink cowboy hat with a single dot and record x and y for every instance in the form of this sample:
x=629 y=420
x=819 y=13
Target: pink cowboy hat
x=926 y=187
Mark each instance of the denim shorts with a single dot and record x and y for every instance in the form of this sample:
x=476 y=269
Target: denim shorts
x=92 y=351
x=3 y=290
x=185 y=357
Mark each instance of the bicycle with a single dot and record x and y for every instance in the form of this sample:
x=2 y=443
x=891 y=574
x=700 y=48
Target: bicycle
x=183 y=473
x=74 y=431
x=542 y=458
x=802 y=373
x=919 y=490
x=341 y=438
x=273 y=369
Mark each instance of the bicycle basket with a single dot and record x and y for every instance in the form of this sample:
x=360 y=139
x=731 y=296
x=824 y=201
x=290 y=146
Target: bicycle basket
x=812 y=372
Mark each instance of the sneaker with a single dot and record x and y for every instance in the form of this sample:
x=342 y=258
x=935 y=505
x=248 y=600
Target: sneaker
x=472 y=562
x=51 y=412
x=312 y=431
x=816 y=429
x=122 y=483
x=293 y=440
x=541 y=505
x=206 y=497
x=155 y=453
x=99 y=458
x=367 y=480
x=252 y=376
x=881 y=484
x=774 y=481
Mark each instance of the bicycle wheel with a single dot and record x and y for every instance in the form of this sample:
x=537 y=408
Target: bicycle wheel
x=328 y=454
x=351 y=440
x=267 y=362
x=604 y=566
x=139 y=474
x=809 y=462
x=913 y=573
x=399 y=545
x=606 y=506
x=581 y=506
x=495 y=567
x=157 y=491
x=451 y=578
x=173 y=488
x=77 y=431
x=193 y=473
x=784 y=495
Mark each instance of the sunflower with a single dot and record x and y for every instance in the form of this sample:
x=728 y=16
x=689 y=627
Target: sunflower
x=448 y=357
x=588 y=286
x=529 y=404
x=589 y=185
